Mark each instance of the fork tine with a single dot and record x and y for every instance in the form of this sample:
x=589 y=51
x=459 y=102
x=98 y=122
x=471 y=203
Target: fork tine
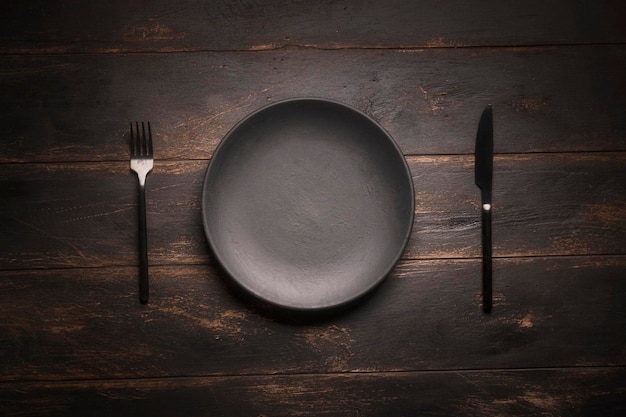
x=137 y=140
x=133 y=147
x=140 y=142
x=149 y=140
x=142 y=139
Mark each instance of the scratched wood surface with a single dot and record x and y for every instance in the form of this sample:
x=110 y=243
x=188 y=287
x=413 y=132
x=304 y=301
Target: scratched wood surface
x=546 y=99
x=74 y=339
x=58 y=26
x=426 y=316
x=83 y=214
x=585 y=392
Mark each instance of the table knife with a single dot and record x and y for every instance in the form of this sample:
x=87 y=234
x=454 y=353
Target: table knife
x=483 y=165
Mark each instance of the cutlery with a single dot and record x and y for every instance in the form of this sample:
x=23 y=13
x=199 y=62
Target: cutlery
x=142 y=161
x=483 y=175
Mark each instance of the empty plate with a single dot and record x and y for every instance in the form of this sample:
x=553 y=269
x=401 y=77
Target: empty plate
x=308 y=204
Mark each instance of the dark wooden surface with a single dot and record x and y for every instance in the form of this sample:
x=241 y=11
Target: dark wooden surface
x=74 y=339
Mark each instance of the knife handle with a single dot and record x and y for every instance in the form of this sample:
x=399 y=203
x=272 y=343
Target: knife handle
x=486 y=239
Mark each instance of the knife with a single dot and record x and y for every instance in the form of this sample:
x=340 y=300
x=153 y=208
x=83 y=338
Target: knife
x=483 y=174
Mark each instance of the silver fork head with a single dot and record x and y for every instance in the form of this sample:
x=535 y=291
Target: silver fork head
x=141 y=159
x=140 y=143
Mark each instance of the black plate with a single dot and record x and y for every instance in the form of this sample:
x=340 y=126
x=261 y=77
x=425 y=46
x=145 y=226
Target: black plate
x=308 y=204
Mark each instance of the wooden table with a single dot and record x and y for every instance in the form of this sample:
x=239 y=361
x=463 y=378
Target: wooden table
x=74 y=339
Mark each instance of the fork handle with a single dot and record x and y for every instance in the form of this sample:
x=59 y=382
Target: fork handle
x=143 y=247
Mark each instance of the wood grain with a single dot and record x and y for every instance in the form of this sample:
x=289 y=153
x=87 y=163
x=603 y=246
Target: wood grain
x=85 y=214
x=74 y=339
x=55 y=26
x=571 y=392
x=77 y=107
x=70 y=324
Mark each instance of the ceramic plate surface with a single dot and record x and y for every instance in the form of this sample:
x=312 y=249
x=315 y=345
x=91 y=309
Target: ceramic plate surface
x=308 y=204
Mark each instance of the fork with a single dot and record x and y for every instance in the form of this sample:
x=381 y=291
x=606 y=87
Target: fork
x=142 y=161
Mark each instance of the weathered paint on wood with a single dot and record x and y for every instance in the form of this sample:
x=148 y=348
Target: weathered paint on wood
x=84 y=214
x=568 y=392
x=72 y=324
x=77 y=107
x=116 y=26
x=74 y=339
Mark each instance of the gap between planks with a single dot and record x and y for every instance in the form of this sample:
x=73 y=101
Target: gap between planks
x=355 y=374
x=70 y=49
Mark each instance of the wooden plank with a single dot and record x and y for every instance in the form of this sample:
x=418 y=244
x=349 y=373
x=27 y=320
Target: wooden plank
x=89 y=324
x=55 y=26
x=551 y=204
x=580 y=392
x=85 y=215
x=77 y=107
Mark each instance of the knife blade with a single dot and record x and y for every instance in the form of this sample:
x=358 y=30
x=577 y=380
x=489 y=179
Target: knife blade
x=483 y=176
